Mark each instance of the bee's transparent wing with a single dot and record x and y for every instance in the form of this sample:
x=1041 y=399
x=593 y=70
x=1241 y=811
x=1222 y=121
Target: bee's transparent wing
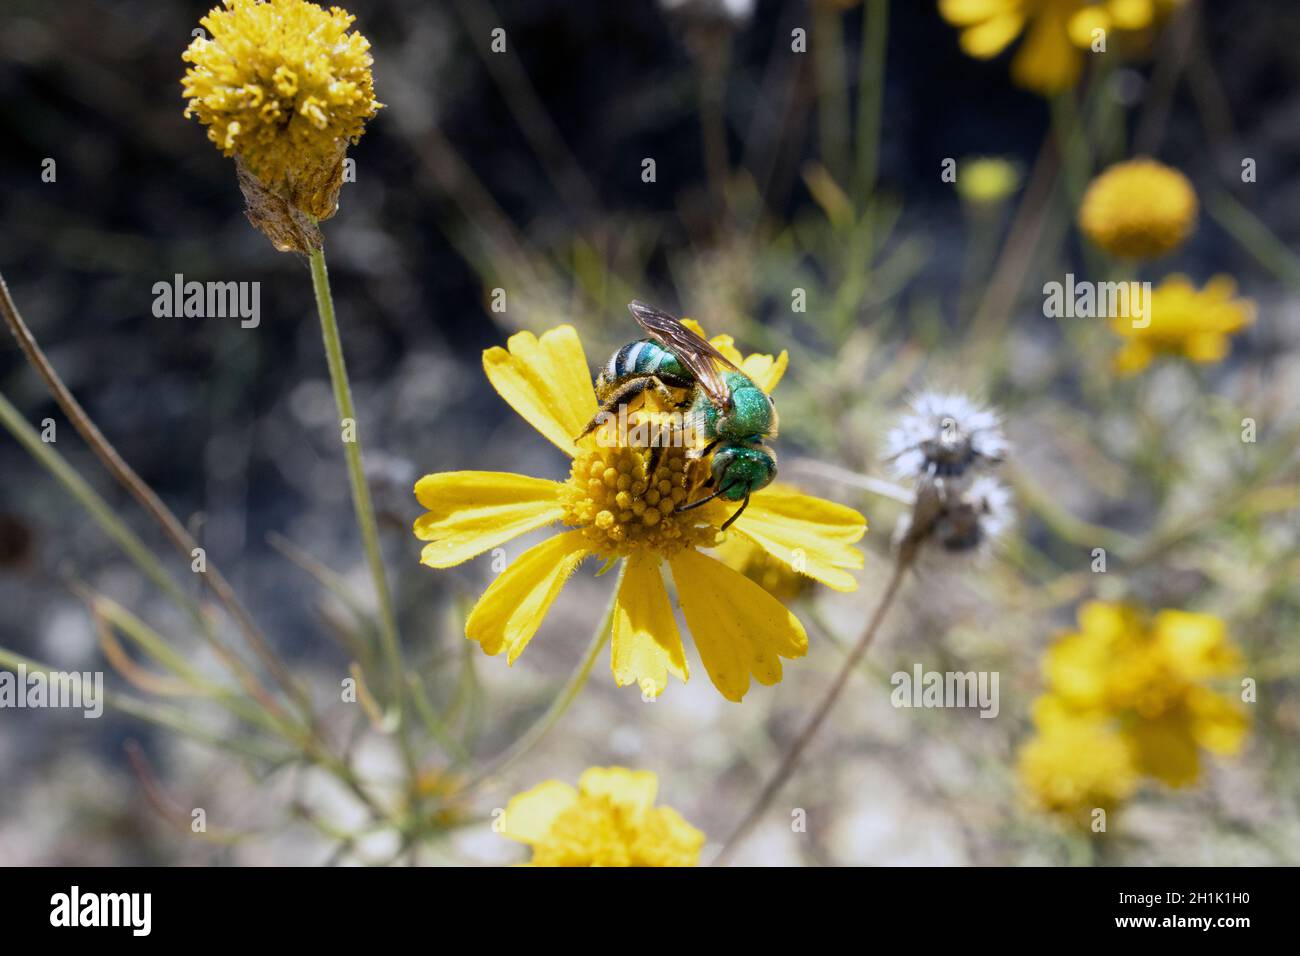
x=694 y=352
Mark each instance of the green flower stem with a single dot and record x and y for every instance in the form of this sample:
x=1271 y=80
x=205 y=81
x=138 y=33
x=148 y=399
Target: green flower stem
x=791 y=759
x=534 y=734
x=361 y=503
x=365 y=512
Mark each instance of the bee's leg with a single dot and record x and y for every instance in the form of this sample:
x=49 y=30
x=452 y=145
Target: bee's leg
x=697 y=453
x=621 y=397
x=739 y=511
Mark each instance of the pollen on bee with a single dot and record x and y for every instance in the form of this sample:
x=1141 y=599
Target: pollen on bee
x=621 y=508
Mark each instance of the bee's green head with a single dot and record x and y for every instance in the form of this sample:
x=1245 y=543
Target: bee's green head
x=740 y=469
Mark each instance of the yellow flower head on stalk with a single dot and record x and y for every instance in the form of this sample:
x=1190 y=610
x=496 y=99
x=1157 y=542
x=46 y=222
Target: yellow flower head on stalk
x=1182 y=320
x=613 y=510
x=609 y=820
x=1057 y=33
x=1138 y=209
x=1142 y=682
x=284 y=87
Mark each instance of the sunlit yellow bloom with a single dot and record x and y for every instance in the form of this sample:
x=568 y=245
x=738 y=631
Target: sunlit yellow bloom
x=1139 y=209
x=609 y=820
x=1195 y=324
x=1056 y=33
x=1129 y=696
x=612 y=510
x=986 y=180
x=283 y=86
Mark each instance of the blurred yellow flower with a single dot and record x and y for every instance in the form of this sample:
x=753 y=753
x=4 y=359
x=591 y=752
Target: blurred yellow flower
x=1074 y=765
x=1057 y=32
x=986 y=180
x=1128 y=697
x=609 y=820
x=283 y=86
x=1139 y=209
x=615 y=511
x=1182 y=320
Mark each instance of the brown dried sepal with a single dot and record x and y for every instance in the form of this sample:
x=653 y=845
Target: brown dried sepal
x=288 y=227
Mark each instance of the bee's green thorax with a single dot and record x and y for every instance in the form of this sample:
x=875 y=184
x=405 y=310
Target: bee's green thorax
x=751 y=414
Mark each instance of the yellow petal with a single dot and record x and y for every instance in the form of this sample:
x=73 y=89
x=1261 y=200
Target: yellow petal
x=1133 y=14
x=739 y=629
x=764 y=370
x=812 y=535
x=727 y=346
x=472 y=511
x=1132 y=358
x=1165 y=748
x=512 y=608
x=1084 y=22
x=529 y=815
x=1219 y=723
x=633 y=789
x=1207 y=347
x=547 y=381
x=1047 y=62
x=986 y=40
x=962 y=13
x=646 y=645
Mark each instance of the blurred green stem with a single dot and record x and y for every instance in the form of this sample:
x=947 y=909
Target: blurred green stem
x=1255 y=237
x=791 y=760
x=871 y=89
x=144 y=495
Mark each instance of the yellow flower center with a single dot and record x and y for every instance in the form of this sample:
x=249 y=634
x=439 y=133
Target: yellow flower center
x=621 y=508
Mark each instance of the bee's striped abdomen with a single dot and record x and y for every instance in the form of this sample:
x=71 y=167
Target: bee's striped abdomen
x=645 y=357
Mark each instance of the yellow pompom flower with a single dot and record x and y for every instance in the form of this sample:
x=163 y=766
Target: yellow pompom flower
x=609 y=820
x=613 y=510
x=1139 y=209
x=1056 y=33
x=284 y=87
x=1130 y=692
x=1183 y=321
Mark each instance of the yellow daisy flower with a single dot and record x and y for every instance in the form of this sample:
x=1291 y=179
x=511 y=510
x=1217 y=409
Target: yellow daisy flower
x=1129 y=697
x=611 y=509
x=283 y=86
x=1138 y=209
x=1182 y=320
x=1057 y=32
x=609 y=820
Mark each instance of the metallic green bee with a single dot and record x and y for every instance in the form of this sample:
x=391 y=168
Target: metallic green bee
x=723 y=406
